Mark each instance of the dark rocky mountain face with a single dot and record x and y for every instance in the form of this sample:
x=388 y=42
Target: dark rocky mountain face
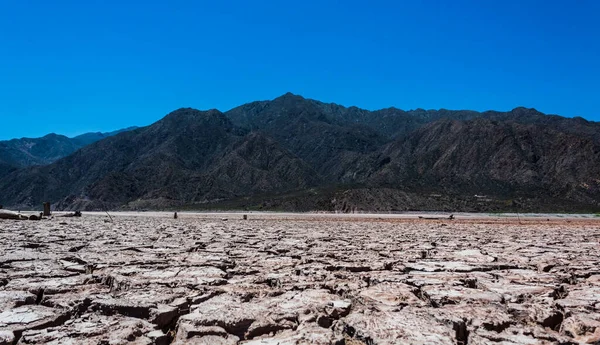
x=18 y=153
x=6 y=168
x=298 y=154
x=189 y=156
x=36 y=151
x=323 y=135
x=483 y=156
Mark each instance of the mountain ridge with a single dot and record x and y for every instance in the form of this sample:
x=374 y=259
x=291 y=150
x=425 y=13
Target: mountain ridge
x=295 y=153
x=22 y=152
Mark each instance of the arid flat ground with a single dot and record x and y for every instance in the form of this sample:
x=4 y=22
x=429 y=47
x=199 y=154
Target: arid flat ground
x=299 y=280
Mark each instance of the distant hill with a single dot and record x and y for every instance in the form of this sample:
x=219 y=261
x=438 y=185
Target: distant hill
x=18 y=153
x=293 y=153
x=92 y=137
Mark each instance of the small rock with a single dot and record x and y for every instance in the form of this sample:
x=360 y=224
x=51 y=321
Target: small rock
x=7 y=338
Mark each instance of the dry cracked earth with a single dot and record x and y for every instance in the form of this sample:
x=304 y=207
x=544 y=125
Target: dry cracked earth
x=151 y=280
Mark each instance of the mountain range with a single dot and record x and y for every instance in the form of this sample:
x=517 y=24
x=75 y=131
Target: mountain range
x=298 y=154
x=24 y=152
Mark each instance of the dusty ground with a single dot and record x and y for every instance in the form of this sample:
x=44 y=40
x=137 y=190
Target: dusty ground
x=311 y=280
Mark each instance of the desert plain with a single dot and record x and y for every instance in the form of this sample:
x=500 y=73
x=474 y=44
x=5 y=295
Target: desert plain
x=306 y=279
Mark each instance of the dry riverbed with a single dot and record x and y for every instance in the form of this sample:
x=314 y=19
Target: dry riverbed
x=310 y=280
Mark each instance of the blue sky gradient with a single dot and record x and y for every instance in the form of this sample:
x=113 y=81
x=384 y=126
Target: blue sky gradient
x=76 y=66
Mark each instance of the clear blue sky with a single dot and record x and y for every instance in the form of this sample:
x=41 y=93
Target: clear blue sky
x=76 y=66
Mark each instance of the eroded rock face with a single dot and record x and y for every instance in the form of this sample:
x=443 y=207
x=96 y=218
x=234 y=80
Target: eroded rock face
x=153 y=280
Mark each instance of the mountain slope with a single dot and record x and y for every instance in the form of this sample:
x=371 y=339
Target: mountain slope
x=6 y=168
x=18 y=153
x=189 y=156
x=92 y=137
x=299 y=154
x=492 y=157
x=317 y=133
x=36 y=151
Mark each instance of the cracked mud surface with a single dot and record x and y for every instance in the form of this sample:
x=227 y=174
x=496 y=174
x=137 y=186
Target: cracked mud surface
x=151 y=280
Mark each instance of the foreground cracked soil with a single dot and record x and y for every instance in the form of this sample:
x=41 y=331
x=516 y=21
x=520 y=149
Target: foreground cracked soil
x=151 y=280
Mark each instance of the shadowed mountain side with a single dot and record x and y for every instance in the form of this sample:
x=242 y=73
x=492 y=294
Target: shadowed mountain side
x=18 y=153
x=6 y=169
x=311 y=130
x=36 y=151
x=483 y=156
x=189 y=156
x=300 y=153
